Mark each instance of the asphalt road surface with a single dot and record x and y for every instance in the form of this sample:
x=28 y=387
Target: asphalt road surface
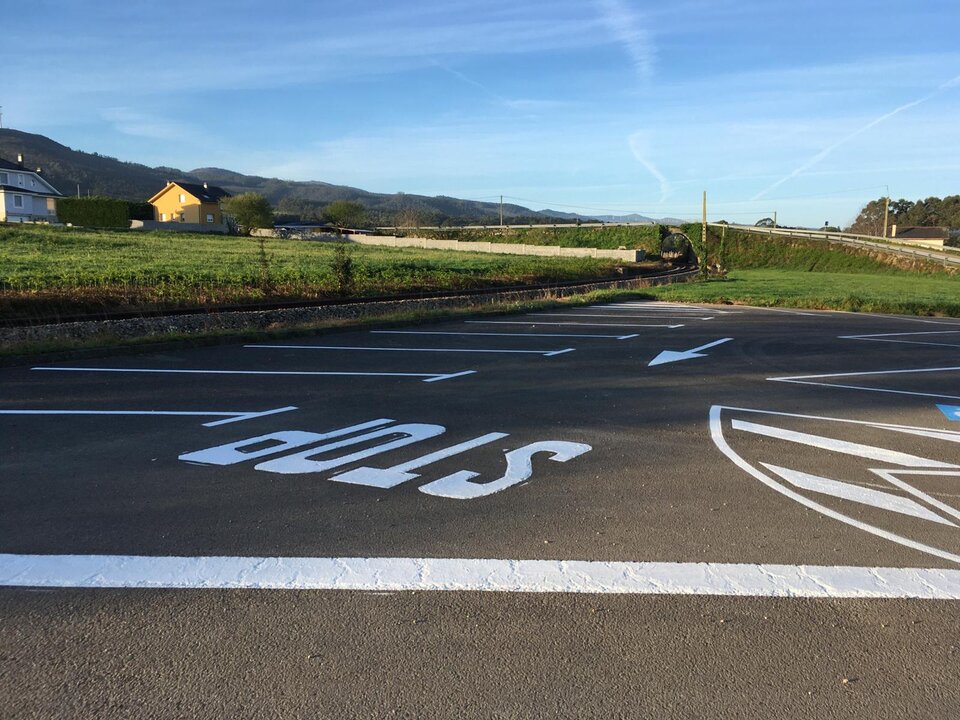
x=630 y=510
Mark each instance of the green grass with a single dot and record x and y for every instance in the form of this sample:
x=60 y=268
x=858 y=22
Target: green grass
x=62 y=270
x=890 y=292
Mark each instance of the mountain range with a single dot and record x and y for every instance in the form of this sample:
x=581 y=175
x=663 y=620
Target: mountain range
x=74 y=171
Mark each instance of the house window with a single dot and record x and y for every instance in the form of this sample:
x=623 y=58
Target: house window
x=163 y=217
x=51 y=206
x=4 y=178
x=181 y=217
x=18 y=201
x=209 y=217
x=19 y=179
x=183 y=198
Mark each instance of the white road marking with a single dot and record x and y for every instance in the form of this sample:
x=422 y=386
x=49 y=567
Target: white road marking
x=885 y=337
x=868 y=452
x=393 y=476
x=537 y=322
x=665 y=308
x=716 y=433
x=519 y=468
x=855 y=493
x=810 y=380
x=615 y=316
x=669 y=356
x=472 y=575
x=431 y=377
x=496 y=334
x=229 y=417
x=544 y=353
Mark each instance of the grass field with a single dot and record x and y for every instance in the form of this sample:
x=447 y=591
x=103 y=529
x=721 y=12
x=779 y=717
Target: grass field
x=68 y=270
x=890 y=292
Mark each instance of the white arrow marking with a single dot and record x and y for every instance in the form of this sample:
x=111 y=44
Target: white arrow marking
x=669 y=356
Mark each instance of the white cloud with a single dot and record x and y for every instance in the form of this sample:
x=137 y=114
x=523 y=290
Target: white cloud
x=626 y=27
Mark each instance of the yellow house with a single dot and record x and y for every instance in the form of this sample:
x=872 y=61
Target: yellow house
x=183 y=202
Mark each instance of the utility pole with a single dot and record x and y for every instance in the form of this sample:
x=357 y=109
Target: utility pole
x=1 y=117
x=703 y=236
x=774 y=219
x=886 y=211
x=501 y=211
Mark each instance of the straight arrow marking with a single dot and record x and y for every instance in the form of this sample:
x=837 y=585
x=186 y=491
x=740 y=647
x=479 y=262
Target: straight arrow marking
x=668 y=356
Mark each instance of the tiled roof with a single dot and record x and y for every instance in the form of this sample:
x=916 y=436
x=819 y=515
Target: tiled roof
x=210 y=194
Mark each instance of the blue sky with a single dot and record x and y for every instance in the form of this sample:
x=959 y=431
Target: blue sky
x=599 y=106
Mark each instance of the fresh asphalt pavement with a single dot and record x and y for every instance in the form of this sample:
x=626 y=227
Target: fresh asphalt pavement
x=515 y=516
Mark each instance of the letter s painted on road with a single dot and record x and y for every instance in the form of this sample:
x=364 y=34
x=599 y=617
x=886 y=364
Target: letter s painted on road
x=519 y=468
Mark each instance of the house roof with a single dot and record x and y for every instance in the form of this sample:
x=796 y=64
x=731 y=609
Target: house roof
x=921 y=232
x=24 y=191
x=8 y=165
x=208 y=194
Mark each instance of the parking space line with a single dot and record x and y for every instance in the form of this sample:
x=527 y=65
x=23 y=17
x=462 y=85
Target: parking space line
x=497 y=334
x=544 y=353
x=472 y=575
x=812 y=380
x=885 y=337
x=590 y=324
x=431 y=377
x=615 y=316
x=229 y=417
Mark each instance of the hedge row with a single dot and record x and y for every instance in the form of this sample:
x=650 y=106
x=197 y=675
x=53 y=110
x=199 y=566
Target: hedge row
x=102 y=212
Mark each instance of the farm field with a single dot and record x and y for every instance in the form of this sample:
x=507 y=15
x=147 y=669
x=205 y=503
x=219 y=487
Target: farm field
x=67 y=270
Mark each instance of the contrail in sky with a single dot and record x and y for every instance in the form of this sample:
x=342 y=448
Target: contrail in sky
x=859 y=131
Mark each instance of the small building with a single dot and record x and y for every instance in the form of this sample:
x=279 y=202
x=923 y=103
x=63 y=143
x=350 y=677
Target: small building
x=183 y=202
x=930 y=237
x=25 y=196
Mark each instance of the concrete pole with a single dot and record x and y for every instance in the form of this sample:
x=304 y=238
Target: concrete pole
x=886 y=213
x=774 y=219
x=501 y=211
x=703 y=236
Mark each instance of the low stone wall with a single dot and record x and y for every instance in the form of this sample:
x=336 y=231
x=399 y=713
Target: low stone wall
x=460 y=246
x=275 y=319
x=179 y=226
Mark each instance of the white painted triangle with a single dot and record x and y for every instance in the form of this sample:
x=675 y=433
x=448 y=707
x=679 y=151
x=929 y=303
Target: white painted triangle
x=856 y=493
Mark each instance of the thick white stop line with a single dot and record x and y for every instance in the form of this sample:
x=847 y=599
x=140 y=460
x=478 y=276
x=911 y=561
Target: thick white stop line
x=450 y=574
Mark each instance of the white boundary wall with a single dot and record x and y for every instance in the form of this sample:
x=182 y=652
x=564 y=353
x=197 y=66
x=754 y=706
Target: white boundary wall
x=482 y=247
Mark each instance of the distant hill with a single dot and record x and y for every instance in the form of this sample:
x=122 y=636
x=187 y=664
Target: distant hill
x=99 y=174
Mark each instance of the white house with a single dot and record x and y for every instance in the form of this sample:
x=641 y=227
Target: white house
x=24 y=195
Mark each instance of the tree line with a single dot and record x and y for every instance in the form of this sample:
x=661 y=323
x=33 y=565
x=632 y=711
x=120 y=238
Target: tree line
x=931 y=212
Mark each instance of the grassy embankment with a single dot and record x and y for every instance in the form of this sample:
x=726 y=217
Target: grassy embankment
x=808 y=274
x=54 y=271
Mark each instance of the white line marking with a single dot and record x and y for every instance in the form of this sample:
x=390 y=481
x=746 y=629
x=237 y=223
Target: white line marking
x=431 y=377
x=496 y=334
x=884 y=337
x=716 y=433
x=537 y=322
x=465 y=574
x=809 y=380
x=664 y=308
x=867 y=452
x=891 y=477
x=855 y=493
x=545 y=353
x=229 y=417
x=615 y=316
